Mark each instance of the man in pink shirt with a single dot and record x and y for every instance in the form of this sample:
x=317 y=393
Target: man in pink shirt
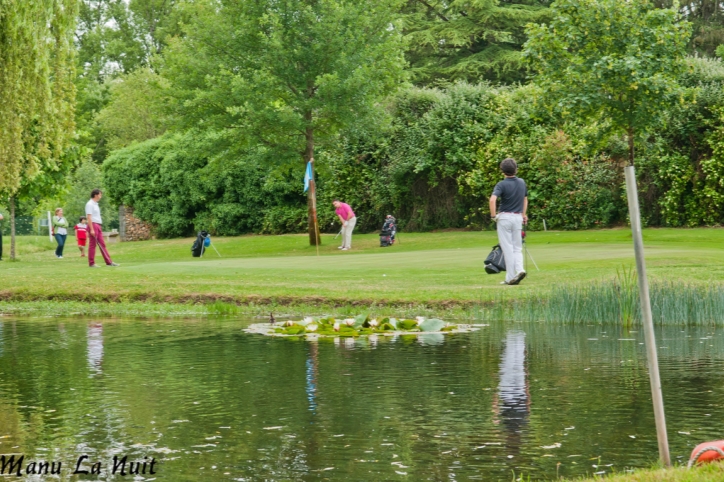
x=348 y=220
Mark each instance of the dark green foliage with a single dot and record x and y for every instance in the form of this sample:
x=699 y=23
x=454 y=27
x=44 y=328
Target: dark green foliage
x=434 y=163
x=438 y=163
x=176 y=183
x=616 y=60
x=468 y=39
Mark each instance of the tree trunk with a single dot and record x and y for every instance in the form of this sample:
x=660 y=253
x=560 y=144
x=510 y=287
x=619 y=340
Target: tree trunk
x=313 y=225
x=12 y=228
x=630 y=134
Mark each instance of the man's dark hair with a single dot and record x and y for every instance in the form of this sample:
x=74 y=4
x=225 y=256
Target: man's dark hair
x=509 y=166
x=95 y=192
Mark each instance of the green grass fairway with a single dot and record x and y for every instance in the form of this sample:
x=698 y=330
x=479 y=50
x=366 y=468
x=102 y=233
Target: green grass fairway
x=434 y=269
x=706 y=473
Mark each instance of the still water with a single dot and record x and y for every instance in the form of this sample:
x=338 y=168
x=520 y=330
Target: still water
x=209 y=402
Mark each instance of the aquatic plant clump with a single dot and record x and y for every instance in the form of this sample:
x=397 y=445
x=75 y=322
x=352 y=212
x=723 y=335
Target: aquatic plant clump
x=360 y=325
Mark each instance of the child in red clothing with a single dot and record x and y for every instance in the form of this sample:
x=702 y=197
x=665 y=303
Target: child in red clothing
x=81 y=235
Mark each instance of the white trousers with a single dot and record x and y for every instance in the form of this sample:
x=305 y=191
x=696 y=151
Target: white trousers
x=511 y=242
x=347 y=233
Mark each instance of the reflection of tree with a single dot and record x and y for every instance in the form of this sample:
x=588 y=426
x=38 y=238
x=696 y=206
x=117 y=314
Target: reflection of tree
x=512 y=403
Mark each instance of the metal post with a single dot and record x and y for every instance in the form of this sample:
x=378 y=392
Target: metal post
x=646 y=318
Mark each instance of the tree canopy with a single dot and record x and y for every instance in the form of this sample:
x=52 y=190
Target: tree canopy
x=219 y=103
x=37 y=93
x=616 y=59
x=285 y=75
x=469 y=39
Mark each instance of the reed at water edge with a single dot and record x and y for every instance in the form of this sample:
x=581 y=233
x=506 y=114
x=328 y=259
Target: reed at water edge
x=615 y=300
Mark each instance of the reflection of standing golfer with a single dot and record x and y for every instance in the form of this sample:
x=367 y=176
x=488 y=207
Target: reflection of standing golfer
x=348 y=220
x=95 y=230
x=511 y=216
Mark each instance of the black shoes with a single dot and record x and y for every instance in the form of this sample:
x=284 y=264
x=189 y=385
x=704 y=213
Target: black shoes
x=518 y=278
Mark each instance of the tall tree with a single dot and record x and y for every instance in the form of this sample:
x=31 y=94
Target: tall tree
x=135 y=112
x=284 y=74
x=610 y=59
x=37 y=95
x=469 y=39
x=618 y=60
x=115 y=38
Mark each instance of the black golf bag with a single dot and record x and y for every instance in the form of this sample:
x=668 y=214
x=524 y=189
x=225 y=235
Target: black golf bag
x=387 y=234
x=495 y=262
x=198 y=248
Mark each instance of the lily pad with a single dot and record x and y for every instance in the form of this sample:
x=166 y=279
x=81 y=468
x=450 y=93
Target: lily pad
x=360 y=320
x=362 y=325
x=407 y=325
x=432 y=324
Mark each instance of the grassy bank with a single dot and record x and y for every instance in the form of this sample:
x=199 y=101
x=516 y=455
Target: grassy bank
x=434 y=271
x=218 y=308
x=707 y=473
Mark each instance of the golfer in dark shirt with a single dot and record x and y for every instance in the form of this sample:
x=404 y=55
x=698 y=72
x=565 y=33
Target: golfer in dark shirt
x=511 y=216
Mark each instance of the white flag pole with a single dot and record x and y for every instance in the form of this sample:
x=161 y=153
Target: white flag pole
x=50 y=227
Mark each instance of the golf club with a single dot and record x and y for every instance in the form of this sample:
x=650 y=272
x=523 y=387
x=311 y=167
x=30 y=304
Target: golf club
x=340 y=231
x=100 y=246
x=527 y=253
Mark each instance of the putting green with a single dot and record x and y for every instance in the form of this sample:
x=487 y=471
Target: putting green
x=426 y=267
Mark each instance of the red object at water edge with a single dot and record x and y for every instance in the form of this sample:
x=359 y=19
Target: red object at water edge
x=707 y=452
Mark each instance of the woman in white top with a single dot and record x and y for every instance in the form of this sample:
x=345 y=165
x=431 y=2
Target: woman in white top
x=60 y=230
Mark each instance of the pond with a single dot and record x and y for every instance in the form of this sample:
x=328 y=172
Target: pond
x=205 y=401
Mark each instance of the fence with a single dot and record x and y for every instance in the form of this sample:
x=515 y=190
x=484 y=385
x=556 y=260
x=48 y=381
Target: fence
x=25 y=226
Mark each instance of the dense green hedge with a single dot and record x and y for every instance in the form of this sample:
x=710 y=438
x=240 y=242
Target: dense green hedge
x=174 y=183
x=434 y=164
x=438 y=163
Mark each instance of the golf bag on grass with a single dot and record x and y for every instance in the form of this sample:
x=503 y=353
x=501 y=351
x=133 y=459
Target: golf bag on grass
x=388 y=232
x=202 y=242
x=495 y=262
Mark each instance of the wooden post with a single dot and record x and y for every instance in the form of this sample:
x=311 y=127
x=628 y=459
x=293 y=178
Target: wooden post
x=313 y=189
x=646 y=317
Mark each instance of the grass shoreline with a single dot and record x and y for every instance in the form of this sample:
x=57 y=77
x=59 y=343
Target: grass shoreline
x=240 y=300
x=217 y=308
x=706 y=473
x=430 y=273
x=610 y=301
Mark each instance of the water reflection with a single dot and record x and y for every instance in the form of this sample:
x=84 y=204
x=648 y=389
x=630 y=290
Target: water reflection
x=95 y=348
x=312 y=375
x=212 y=403
x=431 y=339
x=512 y=404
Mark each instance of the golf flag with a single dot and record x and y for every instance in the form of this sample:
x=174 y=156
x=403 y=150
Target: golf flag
x=308 y=176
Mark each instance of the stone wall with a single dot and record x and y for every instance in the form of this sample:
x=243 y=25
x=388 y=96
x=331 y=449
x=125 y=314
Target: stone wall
x=132 y=228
